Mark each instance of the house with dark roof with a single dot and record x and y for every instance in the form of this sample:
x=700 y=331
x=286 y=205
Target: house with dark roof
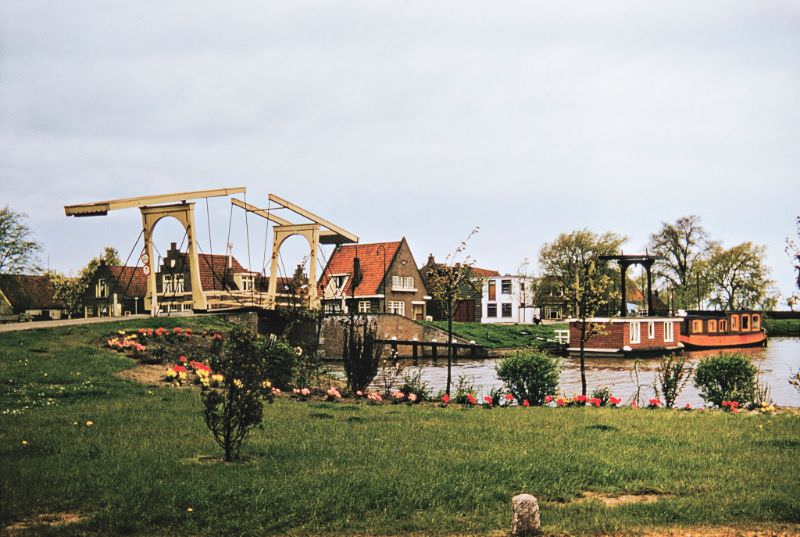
x=374 y=278
x=115 y=291
x=467 y=309
x=28 y=297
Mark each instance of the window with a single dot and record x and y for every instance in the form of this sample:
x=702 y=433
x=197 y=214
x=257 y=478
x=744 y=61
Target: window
x=506 y=310
x=397 y=307
x=734 y=323
x=697 y=326
x=186 y=307
x=332 y=307
x=756 y=322
x=712 y=326
x=746 y=322
x=173 y=307
x=177 y=283
x=492 y=290
x=669 y=331
x=651 y=330
x=101 y=289
x=248 y=282
x=403 y=283
x=166 y=285
x=491 y=310
x=505 y=287
x=336 y=286
x=364 y=306
x=723 y=325
x=636 y=332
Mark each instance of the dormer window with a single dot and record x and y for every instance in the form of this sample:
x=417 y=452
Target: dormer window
x=248 y=282
x=336 y=285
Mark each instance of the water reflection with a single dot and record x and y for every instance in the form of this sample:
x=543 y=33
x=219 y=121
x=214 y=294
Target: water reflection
x=777 y=363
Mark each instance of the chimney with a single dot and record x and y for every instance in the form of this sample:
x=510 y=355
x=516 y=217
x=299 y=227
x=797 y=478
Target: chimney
x=173 y=246
x=230 y=256
x=431 y=260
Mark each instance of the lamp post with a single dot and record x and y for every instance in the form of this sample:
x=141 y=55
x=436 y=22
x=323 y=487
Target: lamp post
x=377 y=251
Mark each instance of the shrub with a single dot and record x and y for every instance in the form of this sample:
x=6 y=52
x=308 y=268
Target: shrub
x=671 y=377
x=361 y=355
x=726 y=377
x=531 y=376
x=602 y=393
x=235 y=407
x=279 y=361
x=464 y=387
x=413 y=384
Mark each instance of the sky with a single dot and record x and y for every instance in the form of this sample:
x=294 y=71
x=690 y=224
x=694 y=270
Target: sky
x=405 y=118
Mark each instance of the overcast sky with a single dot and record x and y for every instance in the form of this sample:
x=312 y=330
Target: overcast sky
x=406 y=118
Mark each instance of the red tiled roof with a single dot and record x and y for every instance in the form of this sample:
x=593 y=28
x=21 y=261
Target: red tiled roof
x=371 y=259
x=484 y=273
x=212 y=270
x=29 y=292
x=134 y=275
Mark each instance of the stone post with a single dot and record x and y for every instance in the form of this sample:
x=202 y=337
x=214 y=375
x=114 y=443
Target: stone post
x=525 y=516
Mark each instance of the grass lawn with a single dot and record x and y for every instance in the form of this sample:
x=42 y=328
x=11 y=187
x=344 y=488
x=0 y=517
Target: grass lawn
x=496 y=336
x=346 y=468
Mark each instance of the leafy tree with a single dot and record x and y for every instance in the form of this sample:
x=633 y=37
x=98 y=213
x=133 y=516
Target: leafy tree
x=18 y=250
x=571 y=253
x=448 y=283
x=683 y=247
x=70 y=290
x=232 y=410
x=737 y=277
x=529 y=377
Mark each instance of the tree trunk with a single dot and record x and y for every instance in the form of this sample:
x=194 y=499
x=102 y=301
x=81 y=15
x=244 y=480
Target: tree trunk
x=582 y=356
x=449 y=343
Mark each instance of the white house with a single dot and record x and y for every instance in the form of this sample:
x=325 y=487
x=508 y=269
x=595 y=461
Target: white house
x=508 y=299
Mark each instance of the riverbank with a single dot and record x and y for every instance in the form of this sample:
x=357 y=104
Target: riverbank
x=782 y=327
x=113 y=456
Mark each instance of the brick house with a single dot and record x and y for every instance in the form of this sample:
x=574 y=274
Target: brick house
x=28 y=297
x=386 y=280
x=468 y=309
x=115 y=291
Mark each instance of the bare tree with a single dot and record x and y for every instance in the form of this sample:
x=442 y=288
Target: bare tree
x=682 y=247
x=449 y=283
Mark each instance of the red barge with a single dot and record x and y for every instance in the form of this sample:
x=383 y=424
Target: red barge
x=720 y=329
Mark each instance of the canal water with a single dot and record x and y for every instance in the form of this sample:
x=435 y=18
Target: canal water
x=777 y=362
